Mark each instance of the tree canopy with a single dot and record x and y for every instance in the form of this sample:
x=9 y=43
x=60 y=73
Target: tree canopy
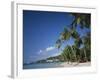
x=75 y=52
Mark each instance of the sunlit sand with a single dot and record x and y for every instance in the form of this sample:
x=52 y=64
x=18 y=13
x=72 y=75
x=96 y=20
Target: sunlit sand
x=65 y=64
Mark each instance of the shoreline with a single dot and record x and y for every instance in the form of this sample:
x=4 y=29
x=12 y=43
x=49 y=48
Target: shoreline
x=56 y=65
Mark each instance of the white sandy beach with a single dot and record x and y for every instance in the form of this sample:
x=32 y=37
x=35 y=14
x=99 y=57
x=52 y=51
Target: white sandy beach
x=65 y=64
x=55 y=65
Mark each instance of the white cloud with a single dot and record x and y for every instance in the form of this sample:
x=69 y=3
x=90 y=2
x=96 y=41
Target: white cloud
x=50 y=48
x=56 y=54
x=43 y=52
x=40 y=51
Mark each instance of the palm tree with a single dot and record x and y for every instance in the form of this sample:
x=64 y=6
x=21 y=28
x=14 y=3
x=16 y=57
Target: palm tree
x=87 y=47
x=70 y=32
x=73 y=48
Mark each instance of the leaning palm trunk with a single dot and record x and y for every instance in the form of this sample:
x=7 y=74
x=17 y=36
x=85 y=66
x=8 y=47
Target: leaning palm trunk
x=74 y=53
x=70 y=54
x=63 y=56
x=68 y=59
x=85 y=55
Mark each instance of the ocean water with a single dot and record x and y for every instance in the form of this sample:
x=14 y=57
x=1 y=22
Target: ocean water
x=42 y=65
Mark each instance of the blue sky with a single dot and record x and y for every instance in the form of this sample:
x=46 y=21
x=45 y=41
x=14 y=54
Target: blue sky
x=41 y=29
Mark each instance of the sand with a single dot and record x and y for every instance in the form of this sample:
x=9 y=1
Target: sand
x=65 y=64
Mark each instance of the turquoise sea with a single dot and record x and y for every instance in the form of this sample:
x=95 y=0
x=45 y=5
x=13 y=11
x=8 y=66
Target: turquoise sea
x=42 y=65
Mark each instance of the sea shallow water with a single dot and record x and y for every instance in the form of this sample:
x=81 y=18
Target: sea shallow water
x=42 y=65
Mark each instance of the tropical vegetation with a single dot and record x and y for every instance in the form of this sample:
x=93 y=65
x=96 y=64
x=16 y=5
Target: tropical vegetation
x=80 y=51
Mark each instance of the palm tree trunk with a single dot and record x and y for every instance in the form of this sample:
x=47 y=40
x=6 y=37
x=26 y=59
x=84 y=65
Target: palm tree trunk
x=85 y=55
x=74 y=53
